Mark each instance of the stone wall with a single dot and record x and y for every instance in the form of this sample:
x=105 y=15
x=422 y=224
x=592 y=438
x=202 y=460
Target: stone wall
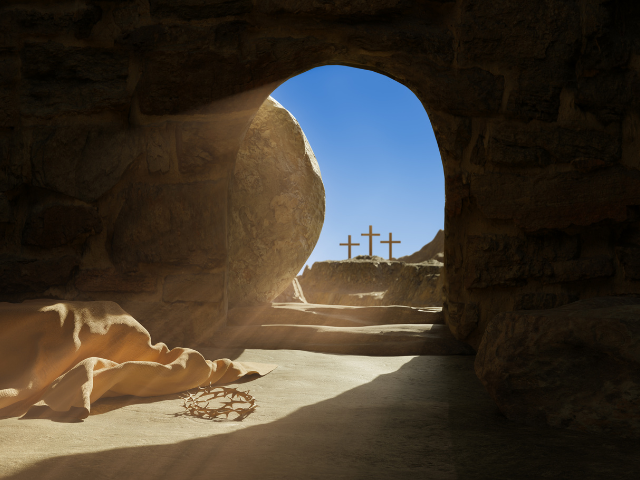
x=373 y=281
x=119 y=120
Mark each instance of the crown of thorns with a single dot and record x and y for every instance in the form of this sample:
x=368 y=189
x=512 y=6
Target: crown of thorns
x=239 y=404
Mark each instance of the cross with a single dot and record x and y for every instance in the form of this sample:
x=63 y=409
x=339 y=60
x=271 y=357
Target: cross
x=390 y=242
x=370 y=235
x=349 y=244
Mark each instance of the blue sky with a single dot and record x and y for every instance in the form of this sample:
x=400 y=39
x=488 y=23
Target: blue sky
x=378 y=156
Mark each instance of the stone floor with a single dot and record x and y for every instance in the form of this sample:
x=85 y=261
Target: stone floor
x=320 y=416
x=382 y=330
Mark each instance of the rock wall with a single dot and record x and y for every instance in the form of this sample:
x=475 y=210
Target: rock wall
x=574 y=366
x=119 y=120
x=373 y=281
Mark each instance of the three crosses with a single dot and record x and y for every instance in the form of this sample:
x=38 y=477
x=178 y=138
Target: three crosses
x=371 y=235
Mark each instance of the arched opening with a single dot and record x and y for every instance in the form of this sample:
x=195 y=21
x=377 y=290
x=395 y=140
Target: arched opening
x=380 y=164
x=120 y=122
x=378 y=156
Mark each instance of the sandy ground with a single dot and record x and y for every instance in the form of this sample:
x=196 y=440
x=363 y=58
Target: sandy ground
x=320 y=416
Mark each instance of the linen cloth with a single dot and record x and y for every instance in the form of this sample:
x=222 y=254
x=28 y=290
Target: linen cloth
x=69 y=354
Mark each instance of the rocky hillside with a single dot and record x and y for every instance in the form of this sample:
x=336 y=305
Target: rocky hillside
x=433 y=249
x=372 y=281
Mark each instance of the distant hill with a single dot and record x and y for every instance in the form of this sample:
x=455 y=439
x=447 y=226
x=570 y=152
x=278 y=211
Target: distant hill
x=413 y=281
x=429 y=251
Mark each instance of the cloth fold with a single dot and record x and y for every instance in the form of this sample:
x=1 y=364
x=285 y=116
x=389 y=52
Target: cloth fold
x=69 y=354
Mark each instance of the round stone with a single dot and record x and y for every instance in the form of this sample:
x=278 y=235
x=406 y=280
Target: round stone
x=276 y=207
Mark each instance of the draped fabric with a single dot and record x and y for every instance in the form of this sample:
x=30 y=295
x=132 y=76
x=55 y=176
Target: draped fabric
x=69 y=354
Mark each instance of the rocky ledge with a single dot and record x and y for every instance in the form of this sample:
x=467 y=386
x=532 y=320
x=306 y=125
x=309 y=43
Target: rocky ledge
x=576 y=366
x=372 y=281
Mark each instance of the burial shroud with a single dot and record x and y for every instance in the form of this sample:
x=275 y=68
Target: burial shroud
x=69 y=354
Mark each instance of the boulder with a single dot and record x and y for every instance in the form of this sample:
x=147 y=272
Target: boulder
x=576 y=366
x=276 y=207
x=372 y=281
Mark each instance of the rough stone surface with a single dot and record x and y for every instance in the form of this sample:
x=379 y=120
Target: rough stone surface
x=371 y=281
x=83 y=162
x=111 y=281
x=175 y=224
x=560 y=200
x=204 y=287
x=540 y=301
x=630 y=260
x=59 y=79
x=575 y=366
x=503 y=260
x=6 y=209
x=54 y=225
x=276 y=207
x=199 y=148
x=177 y=323
x=28 y=277
x=534 y=106
x=161 y=149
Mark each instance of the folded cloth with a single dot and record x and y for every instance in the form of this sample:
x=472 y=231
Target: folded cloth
x=69 y=354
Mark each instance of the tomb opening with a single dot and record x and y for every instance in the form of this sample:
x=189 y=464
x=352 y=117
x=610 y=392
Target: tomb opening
x=380 y=164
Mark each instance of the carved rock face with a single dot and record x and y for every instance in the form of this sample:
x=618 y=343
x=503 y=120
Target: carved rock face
x=575 y=366
x=372 y=281
x=276 y=207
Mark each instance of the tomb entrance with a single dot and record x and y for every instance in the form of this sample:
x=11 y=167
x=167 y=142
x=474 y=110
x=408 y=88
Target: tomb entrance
x=117 y=128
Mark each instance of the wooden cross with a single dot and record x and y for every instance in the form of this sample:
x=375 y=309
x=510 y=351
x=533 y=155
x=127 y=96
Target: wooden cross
x=390 y=242
x=370 y=235
x=349 y=244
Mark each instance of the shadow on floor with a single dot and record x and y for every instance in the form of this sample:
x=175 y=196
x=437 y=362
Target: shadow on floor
x=106 y=405
x=431 y=419
x=40 y=412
